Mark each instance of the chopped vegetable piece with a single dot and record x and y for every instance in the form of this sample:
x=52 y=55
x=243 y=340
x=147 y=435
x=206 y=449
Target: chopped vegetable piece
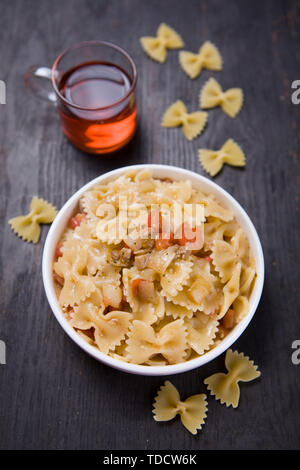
x=228 y=321
x=164 y=241
x=58 y=279
x=167 y=180
x=192 y=237
x=115 y=255
x=155 y=221
x=141 y=261
x=125 y=256
x=144 y=290
x=76 y=220
x=134 y=286
x=58 y=251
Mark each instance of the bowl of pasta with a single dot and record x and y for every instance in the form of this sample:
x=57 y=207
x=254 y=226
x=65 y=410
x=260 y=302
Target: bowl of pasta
x=153 y=269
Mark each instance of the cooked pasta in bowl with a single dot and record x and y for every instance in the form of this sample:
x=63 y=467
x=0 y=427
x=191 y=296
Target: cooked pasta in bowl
x=153 y=269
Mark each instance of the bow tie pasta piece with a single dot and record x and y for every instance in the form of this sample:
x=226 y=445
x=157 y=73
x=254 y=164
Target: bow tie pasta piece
x=212 y=207
x=226 y=255
x=241 y=308
x=225 y=387
x=192 y=411
x=192 y=123
x=212 y=95
x=176 y=276
x=213 y=160
x=176 y=311
x=247 y=278
x=214 y=230
x=208 y=57
x=160 y=260
x=27 y=226
x=143 y=342
x=90 y=201
x=231 y=290
x=166 y=38
x=202 y=331
x=200 y=292
x=98 y=252
x=71 y=268
x=81 y=317
x=109 y=329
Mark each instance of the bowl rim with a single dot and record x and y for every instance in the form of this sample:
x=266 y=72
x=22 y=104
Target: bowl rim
x=47 y=262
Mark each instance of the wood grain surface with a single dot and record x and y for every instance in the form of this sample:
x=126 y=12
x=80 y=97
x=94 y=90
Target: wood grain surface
x=52 y=395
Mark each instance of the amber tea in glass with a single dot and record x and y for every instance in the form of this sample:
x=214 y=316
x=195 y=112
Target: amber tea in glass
x=94 y=84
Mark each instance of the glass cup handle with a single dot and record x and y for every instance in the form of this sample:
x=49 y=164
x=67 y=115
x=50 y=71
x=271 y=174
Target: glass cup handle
x=38 y=80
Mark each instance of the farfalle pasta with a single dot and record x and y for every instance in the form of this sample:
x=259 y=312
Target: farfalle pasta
x=208 y=57
x=167 y=404
x=168 y=280
x=212 y=95
x=144 y=343
x=225 y=387
x=213 y=160
x=192 y=123
x=27 y=226
x=166 y=38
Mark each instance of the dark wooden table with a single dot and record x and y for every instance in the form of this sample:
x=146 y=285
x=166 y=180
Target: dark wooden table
x=52 y=395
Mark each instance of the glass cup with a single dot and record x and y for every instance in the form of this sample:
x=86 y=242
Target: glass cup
x=92 y=84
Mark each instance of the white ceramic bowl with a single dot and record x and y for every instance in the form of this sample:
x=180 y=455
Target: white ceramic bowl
x=203 y=184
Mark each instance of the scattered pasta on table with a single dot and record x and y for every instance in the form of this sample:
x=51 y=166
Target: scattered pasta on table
x=192 y=124
x=166 y=38
x=225 y=387
x=167 y=404
x=212 y=95
x=231 y=153
x=27 y=226
x=208 y=57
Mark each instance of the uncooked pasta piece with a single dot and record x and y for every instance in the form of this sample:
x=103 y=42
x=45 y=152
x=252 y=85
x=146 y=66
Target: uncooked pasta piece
x=225 y=387
x=192 y=123
x=192 y=411
x=166 y=38
x=212 y=95
x=27 y=226
x=208 y=57
x=230 y=153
